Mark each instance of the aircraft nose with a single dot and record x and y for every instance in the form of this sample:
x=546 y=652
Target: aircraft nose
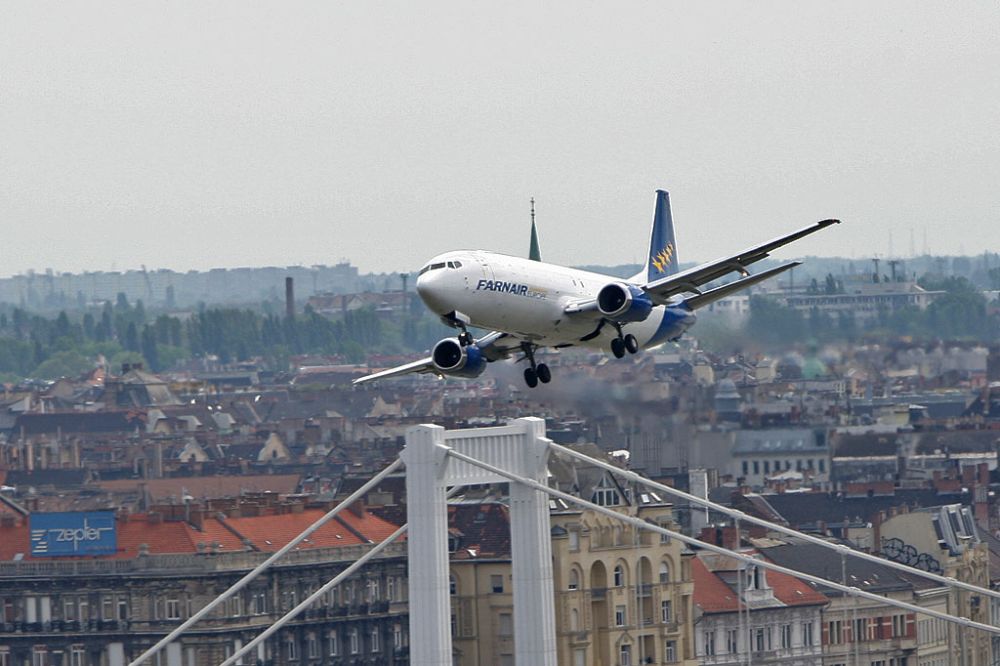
x=430 y=290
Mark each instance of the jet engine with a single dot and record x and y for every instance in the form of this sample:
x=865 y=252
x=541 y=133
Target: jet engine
x=622 y=302
x=452 y=358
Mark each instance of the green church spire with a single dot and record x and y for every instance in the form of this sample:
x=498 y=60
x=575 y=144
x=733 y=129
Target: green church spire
x=533 y=252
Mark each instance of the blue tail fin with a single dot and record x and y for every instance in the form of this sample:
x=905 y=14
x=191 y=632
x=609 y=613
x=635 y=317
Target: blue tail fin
x=661 y=260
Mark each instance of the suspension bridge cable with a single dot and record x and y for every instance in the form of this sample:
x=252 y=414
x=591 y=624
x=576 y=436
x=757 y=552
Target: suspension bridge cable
x=638 y=478
x=241 y=583
x=766 y=564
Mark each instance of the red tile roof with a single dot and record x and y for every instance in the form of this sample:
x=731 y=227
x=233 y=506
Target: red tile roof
x=711 y=593
x=266 y=533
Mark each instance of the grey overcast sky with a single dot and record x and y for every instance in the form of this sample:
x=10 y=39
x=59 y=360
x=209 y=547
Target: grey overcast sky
x=191 y=135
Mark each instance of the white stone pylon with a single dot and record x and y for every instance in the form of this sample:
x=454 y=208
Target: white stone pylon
x=520 y=448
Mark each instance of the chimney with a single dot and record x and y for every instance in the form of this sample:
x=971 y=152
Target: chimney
x=197 y=518
x=290 y=297
x=358 y=508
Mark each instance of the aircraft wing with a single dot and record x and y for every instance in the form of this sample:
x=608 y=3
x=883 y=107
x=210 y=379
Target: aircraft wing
x=495 y=346
x=660 y=291
x=424 y=365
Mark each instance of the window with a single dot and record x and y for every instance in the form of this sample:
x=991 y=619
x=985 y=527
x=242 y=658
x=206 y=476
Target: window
x=259 y=602
x=85 y=609
x=861 y=629
x=107 y=608
x=756 y=467
x=666 y=612
x=767 y=467
x=506 y=625
x=373 y=590
x=397 y=636
x=312 y=646
x=574 y=620
x=77 y=656
x=574 y=579
x=625 y=655
x=605 y=497
x=807 y=634
x=619 y=576
x=786 y=635
x=122 y=608
x=746 y=468
x=732 y=641
x=173 y=609
x=235 y=605
x=496 y=583
x=4 y=656
x=822 y=466
x=708 y=645
x=580 y=657
x=69 y=610
x=759 y=640
x=352 y=639
x=670 y=651
x=619 y=616
x=374 y=640
x=291 y=649
x=898 y=625
x=664 y=572
x=333 y=644
x=834 y=630
x=452 y=585
x=574 y=540
x=390 y=588
x=39 y=655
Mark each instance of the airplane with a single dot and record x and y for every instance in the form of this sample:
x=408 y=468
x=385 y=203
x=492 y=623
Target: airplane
x=530 y=304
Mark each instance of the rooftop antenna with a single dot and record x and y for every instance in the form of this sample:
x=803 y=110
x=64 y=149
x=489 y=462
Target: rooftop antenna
x=533 y=252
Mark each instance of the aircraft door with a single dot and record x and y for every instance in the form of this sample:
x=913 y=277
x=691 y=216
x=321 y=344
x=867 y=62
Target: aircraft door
x=484 y=272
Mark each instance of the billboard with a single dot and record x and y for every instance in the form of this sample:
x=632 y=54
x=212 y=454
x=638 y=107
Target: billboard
x=73 y=533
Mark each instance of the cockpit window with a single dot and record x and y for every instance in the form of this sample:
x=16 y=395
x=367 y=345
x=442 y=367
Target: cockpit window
x=454 y=264
x=431 y=267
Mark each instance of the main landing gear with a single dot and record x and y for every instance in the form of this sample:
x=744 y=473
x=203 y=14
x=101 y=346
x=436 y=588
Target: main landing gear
x=537 y=372
x=624 y=343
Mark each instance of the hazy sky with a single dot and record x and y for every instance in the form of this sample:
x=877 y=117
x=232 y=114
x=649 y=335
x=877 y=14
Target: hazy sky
x=202 y=134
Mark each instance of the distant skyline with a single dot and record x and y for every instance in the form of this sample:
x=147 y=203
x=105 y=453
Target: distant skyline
x=189 y=135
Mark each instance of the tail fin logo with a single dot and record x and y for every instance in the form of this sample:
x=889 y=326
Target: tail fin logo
x=662 y=259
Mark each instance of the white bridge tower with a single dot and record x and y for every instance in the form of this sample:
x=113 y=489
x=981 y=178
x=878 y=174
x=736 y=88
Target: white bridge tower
x=520 y=448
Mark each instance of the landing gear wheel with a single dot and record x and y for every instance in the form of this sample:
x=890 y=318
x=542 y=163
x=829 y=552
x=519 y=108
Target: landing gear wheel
x=544 y=374
x=618 y=347
x=631 y=344
x=530 y=377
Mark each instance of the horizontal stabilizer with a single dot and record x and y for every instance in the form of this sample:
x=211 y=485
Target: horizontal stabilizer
x=712 y=295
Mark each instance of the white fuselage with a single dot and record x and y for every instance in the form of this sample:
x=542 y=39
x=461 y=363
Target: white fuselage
x=528 y=298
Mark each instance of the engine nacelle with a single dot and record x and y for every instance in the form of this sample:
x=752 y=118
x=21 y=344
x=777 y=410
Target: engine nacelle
x=622 y=302
x=452 y=358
